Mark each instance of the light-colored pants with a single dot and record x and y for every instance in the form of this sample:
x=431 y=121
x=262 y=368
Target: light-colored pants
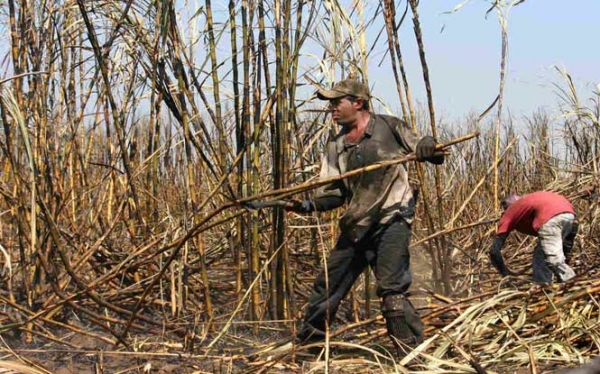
x=548 y=256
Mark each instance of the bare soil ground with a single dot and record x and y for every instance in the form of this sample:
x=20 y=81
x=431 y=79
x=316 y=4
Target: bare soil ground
x=552 y=322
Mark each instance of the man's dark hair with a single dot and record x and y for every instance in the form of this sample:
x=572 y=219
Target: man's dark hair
x=365 y=105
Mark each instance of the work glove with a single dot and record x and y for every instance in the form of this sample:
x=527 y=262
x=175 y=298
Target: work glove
x=425 y=148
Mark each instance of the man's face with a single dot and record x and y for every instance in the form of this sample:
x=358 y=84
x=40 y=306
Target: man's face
x=344 y=110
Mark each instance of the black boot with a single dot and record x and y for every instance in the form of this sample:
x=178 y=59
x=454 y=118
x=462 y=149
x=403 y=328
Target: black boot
x=403 y=324
x=310 y=335
x=402 y=336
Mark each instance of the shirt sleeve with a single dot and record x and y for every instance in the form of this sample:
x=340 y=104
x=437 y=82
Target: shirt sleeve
x=329 y=169
x=505 y=225
x=408 y=138
x=496 y=254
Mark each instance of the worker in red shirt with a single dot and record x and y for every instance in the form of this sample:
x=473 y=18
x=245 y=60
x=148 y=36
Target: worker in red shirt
x=551 y=218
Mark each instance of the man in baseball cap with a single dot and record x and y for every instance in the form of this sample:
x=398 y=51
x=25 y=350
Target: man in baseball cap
x=376 y=226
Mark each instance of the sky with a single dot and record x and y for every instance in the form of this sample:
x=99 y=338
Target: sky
x=463 y=52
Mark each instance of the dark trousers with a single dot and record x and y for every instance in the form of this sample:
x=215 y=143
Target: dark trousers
x=384 y=248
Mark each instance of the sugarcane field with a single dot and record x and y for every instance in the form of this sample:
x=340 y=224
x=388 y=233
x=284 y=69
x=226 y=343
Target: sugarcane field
x=291 y=187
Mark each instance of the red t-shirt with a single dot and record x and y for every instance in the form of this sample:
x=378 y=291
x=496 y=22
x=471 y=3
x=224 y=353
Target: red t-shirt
x=529 y=213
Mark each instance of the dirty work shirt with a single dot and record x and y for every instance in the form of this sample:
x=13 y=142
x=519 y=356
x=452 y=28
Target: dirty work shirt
x=376 y=196
x=529 y=213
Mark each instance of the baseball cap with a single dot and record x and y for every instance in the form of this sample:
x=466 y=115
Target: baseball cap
x=347 y=87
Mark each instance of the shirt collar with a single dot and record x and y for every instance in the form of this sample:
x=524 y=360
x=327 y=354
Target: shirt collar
x=371 y=126
x=341 y=140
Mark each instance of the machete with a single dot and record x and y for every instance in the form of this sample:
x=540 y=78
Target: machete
x=256 y=205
